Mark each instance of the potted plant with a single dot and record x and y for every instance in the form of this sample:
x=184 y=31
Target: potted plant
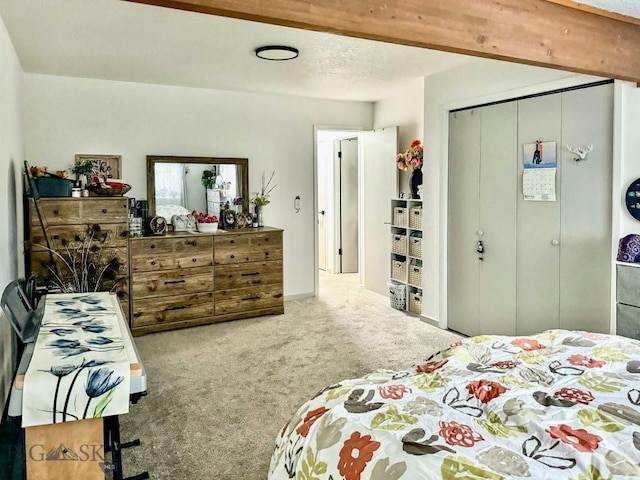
x=82 y=167
x=208 y=179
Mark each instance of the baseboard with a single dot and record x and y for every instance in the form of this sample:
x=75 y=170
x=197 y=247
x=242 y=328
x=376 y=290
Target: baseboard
x=430 y=321
x=299 y=296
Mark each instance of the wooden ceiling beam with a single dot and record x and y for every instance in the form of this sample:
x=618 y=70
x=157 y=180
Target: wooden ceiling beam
x=535 y=32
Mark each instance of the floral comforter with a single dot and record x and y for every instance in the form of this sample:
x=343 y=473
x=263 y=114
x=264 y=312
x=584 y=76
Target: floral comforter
x=558 y=405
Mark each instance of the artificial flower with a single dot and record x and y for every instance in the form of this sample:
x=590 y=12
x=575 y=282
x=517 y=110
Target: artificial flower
x=411 y=158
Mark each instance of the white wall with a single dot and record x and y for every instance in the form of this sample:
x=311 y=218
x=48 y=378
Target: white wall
x=64 y=116
x=403 y=108
x=10 y=193
x=477 y=83
x=628 y=103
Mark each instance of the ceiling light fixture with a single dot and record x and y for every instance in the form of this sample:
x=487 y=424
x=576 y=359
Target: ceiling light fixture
x=277 y=52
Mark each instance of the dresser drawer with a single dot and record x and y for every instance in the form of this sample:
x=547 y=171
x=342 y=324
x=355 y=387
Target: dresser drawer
x=151 y=254
x=248 y=274
x=254 y=248
x=628 y=285
x=153 y=311
x=628 y=321
x=110 y=234
x=56 y=212
x=244 y=299
x=105 y=210
x=193 y=252
x=172 y=282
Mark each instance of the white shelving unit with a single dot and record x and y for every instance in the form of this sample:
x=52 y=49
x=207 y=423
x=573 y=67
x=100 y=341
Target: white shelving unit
x=406 y=250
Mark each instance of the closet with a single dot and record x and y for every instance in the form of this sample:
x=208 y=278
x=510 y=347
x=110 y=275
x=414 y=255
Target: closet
x=543 y=264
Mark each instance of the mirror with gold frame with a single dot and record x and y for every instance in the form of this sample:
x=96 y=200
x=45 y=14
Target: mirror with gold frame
x=175 y=185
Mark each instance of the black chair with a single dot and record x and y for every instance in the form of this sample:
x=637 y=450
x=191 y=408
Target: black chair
x=22 y=308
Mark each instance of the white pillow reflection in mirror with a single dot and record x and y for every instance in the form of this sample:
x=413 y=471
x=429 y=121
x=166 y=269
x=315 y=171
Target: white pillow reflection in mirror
x=168 y=211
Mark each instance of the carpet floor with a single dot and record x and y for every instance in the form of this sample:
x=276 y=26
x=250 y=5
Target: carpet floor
x=219 y=394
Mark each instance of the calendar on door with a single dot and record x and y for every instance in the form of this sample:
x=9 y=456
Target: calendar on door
x=539 y=175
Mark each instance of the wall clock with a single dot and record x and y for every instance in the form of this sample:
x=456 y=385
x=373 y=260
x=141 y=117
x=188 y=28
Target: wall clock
x=632 y=199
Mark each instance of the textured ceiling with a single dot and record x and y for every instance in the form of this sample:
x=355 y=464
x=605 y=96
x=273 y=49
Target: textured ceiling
x=118 y=40
x=625 y=7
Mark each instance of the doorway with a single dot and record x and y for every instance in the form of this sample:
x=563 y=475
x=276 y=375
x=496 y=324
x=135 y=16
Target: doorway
x=359 y=241
x=337 y=157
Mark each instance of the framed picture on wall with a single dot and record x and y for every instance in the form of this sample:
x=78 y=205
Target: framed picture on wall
x=106 y=166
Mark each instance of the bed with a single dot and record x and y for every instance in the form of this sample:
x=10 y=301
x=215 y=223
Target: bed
x=558 y=405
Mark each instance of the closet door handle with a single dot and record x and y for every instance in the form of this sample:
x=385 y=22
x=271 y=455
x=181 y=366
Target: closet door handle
x=555 y=243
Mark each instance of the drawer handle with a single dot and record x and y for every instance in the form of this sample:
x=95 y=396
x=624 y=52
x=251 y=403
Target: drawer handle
x=194 y=260
x=56 y=212
x=153 y=246
x=250 y=274
x=56 y=237
x=233 y=256
x=192 y=243
x=153 y=263
x=266 y=239
x=168 y=309
x=104 y=210
x=257 y=297
x=172 y=282
x=232 y=241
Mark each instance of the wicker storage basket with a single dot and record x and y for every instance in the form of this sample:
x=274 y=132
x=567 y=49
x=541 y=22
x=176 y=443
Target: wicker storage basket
x=415 y=247
x=399 y=270
x=400 y=216
x=415 y=275
x=415 y=302
x=397 y=295
x=415 y=218
x=398 y=243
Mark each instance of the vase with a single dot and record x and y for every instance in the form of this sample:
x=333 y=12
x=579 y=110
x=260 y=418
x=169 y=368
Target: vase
x=259 y=216
x=415 y=180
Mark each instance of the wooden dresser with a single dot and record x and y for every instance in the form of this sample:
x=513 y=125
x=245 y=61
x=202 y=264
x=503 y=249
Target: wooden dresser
x=187 y=279
x=67 y=221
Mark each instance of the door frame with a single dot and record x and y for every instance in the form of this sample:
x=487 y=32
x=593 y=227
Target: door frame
x=350 y=131
x=445 y=109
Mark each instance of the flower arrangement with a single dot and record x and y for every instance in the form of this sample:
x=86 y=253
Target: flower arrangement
x=260 y=199
x=411 y=158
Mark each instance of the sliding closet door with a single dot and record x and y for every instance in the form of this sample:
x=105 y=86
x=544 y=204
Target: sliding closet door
x=538 y=225
x=497 y=220
x=463 y=263
x=585 y=259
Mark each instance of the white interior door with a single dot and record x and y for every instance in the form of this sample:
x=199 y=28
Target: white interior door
x=379 y=148
x=497 y=219
x=348 y=214
x=585 y=238
x=463 y=265
x=323 y=154
x=538 y=224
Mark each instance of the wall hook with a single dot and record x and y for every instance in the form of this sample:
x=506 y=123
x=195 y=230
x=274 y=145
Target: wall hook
x=581 y=152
